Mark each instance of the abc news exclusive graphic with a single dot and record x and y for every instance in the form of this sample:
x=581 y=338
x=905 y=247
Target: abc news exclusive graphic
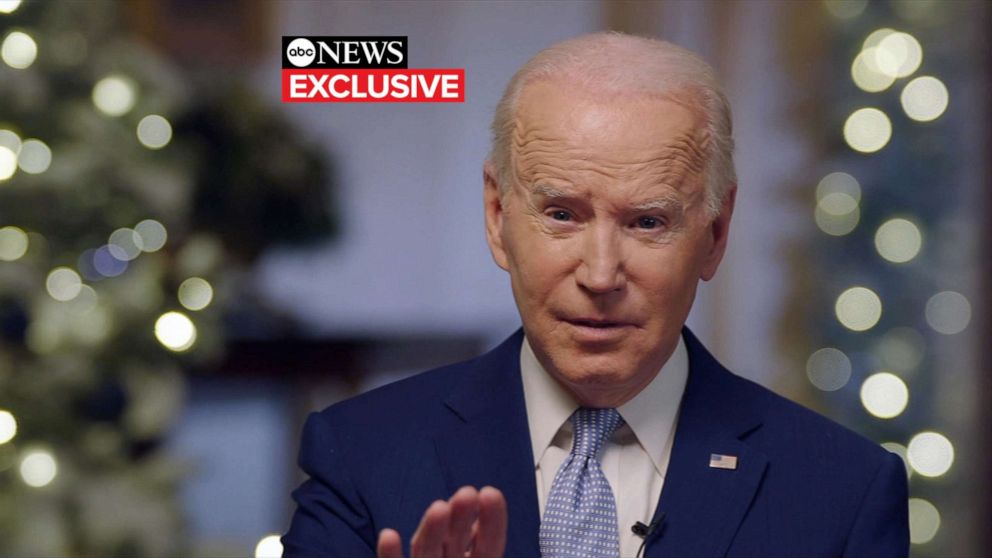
x=362 y=70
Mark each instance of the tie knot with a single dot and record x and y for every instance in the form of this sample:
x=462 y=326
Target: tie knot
x=592 y=427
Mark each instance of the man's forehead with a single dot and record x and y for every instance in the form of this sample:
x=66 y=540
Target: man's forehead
x=580 y=116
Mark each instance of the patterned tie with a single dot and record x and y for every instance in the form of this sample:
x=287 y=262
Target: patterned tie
x=580 y=518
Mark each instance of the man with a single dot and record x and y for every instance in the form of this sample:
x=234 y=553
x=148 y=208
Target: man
x=603 y=428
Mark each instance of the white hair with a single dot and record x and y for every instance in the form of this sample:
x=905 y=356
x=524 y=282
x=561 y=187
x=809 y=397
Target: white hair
x=614 y=63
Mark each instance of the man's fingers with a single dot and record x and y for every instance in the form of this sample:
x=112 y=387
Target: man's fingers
x=490 y=538
x=390 y=545
x=428 y=541
x=464 y=512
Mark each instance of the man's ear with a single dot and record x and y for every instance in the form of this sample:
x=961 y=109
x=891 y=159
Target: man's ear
x=494 y=215
x=719 y=231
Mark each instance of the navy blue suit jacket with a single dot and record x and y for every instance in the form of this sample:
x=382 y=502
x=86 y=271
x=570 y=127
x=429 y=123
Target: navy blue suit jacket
x=803 y=487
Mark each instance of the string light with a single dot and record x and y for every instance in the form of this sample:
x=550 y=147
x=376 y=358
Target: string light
x=866 y=73
x=35 y=157
x=924 y=98
x=18 y=50
x=195 y=293
x=269 y=547
x=8 y=162
x=154 y=131
x=828 y=369
x=858 y=308
x=38 y=468
x=13 y=243
x=924 y=521
x=930 y=453
x=8 y=427
x=846 y=9
x=125 y=244
x=63 y=284
x=153 y=235
x=175 y=331
x=867 y=130
x=115 y=95
x=898 y=240
x=884 y=395
x=948 y=312
x=8 y=6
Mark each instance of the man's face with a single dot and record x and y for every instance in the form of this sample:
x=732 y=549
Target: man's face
x=605 y=234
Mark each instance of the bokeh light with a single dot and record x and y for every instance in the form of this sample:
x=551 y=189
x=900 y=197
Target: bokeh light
x=901 y=349
x=828 y=369
x=930 y=453
x=898 y=240
x=866 y=73
x=836 y=225
x=924 y=98
x=18 y=50
x=838 y=183
x=154 y=131
x=195 y=293
x=269 y=547
x=846 y=9
x=876 y=37
x=38 y=468
x=125 y=244
x=948 y=312
x=867 y=130
x=8 y=427
x=35 y=157
x=884 y=395
x=63 y=284
x=898 y=54
x=858 y=308
x=175 y=331
x=924 y=521
x=115 y=95
x=153 y=235
x=10 y=140
x=13 y=243
x=106 y=264
x=8 y=162
x=8 y=6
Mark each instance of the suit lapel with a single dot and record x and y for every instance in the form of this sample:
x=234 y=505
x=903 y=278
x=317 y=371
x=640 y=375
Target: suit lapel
x=490 y=441
x=704 y=505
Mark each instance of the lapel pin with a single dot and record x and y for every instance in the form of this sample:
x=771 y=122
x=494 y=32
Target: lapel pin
x=720 y=461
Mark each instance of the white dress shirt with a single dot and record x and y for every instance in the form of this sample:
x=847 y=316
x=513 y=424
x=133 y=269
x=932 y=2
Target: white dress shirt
x=634 y=459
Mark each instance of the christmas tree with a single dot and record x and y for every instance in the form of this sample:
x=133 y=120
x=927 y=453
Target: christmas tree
x=132 y=198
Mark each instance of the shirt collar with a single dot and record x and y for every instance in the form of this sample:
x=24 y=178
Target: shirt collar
x=651 y=414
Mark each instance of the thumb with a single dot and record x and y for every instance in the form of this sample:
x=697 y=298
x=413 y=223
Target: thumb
x=390 y=545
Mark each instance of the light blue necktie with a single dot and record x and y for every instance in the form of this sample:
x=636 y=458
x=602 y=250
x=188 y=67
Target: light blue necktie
x=580 y=518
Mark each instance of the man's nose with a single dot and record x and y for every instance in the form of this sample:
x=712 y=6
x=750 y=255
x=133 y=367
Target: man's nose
x=601 y=267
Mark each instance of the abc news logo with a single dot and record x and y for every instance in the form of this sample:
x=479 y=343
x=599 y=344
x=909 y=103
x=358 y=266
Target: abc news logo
x=344 y=52
x=362 y=70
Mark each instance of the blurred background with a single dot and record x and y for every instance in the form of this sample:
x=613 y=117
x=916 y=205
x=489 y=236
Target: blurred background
x=188 y=267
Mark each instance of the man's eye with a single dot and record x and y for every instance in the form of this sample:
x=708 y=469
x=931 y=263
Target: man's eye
x=559 y=215
x=648 y=222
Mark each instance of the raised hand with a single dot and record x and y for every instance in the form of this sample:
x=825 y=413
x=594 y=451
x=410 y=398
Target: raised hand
x=471 y=524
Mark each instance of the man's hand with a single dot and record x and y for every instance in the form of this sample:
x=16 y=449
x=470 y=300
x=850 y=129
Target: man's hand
x=471 y=524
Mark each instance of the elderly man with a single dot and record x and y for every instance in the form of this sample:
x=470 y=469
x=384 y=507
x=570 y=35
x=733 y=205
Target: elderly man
x=603 y=428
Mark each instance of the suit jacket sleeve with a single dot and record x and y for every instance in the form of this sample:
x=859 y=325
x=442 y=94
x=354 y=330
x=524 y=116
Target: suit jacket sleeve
x=330 y=520
x=881 y=528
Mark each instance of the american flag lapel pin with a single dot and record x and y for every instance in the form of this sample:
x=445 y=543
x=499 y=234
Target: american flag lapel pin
x=720 y=461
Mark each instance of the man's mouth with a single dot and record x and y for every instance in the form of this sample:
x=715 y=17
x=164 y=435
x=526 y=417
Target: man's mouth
x=597 y=323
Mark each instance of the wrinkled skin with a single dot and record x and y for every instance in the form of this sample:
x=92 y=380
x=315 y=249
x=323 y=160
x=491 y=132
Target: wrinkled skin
x=604 y=230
